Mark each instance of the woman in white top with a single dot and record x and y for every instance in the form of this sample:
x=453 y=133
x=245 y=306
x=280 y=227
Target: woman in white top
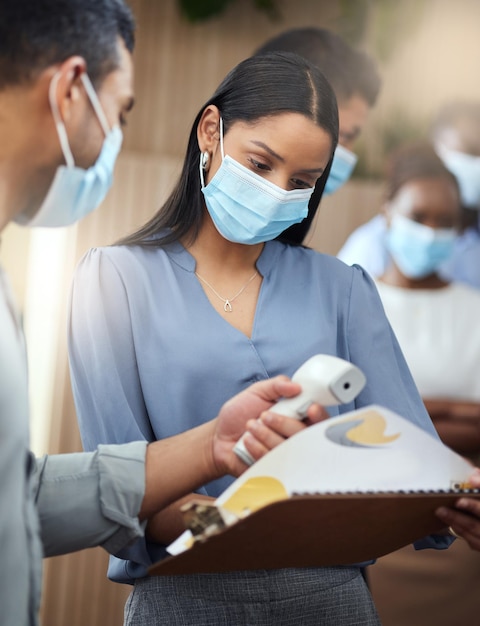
x=437 y=325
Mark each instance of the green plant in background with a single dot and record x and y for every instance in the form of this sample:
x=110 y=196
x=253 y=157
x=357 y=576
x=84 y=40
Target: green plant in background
x=201 y=10
x=379 y=25
x=400 y=127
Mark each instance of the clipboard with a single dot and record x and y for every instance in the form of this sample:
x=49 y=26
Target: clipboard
x=316 y=531
x=347 y=490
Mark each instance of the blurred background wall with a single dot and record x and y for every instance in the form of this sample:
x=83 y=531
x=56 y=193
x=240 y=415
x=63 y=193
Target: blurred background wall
x=427 y=52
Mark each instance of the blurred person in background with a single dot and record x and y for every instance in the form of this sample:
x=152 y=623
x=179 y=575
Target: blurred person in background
x=436 y=324
x=455 y=134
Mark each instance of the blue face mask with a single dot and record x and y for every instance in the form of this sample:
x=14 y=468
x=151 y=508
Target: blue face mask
x=343 y=165
x=416 y=249
x=466 y=169
x=74 y=191
x=245 y=207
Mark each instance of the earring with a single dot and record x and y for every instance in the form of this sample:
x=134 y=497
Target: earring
x=204 y=160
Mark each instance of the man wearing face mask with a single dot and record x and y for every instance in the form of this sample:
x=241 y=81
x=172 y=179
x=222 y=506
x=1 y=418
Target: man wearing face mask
x=355 y=81
x=65 y=83
x=455 y=135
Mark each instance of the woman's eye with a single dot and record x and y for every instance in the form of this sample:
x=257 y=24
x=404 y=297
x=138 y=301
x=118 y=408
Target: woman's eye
x=258 y=165
x=301 y=184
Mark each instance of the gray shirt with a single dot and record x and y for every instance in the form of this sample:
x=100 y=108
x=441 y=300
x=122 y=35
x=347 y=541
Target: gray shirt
x=56 y=504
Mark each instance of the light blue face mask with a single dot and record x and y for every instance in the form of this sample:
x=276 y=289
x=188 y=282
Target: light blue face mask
x=343 y=165
x=466 y=169
x=245 y=207
x=74 y=191
x=418 y=250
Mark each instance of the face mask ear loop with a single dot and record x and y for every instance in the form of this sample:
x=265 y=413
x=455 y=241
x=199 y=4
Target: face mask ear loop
x=95 y=102
x=221 y=138
x=60 y=126
x=200 y=167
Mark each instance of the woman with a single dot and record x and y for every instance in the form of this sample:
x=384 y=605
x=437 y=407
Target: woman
x=204 y=292
x=436 y=323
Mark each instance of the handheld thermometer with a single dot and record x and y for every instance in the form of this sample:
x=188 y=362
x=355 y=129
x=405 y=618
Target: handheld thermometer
x=326 y=380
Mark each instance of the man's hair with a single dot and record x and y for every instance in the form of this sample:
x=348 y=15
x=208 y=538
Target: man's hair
x=35 y=34
x=349 y=71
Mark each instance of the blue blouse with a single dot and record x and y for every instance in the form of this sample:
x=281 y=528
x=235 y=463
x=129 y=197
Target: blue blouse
x=150 y=357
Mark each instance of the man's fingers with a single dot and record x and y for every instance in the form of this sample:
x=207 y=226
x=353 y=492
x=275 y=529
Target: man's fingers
x=278 y=387
x=254 y=446
x=272 y=428
x=316 y=413
x=263 y=433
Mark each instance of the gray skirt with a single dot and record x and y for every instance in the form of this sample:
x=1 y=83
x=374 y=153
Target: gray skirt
x=328 y=596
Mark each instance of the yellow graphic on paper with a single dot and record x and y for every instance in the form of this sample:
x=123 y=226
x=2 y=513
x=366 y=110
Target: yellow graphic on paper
x=254 y=494
x=364 y=430
x=461 y=486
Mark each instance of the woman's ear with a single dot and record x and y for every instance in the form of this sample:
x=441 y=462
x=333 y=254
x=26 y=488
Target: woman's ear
x=208 y=129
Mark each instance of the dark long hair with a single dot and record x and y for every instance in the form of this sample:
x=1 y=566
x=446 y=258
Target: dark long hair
x=258 y=87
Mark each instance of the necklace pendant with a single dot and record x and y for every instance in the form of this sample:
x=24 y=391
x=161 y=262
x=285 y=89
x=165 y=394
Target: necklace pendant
x=227 y=307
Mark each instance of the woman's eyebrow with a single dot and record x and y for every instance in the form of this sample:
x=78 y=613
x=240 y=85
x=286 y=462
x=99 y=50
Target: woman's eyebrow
x=260 y=144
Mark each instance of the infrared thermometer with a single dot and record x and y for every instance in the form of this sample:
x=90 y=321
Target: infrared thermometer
x=326 y=380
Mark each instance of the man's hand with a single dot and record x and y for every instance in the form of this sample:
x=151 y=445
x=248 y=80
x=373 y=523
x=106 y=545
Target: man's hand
x=464 y=518
x=178 y=465
x=239 y=415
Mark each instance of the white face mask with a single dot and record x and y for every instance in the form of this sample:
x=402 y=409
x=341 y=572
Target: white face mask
x=74 y=191
x=466 y=169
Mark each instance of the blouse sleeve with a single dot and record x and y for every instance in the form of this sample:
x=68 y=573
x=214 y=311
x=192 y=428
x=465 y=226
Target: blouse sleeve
x=373 y=346
x=105 y=378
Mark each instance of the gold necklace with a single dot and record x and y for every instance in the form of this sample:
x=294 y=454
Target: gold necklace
x=227 y=302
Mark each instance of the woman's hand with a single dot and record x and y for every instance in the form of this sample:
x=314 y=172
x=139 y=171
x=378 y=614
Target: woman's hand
x=464 y=518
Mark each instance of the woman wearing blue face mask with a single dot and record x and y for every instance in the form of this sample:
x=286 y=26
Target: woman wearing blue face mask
x=212 y=294
x=436 y=323
x=455 y=135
